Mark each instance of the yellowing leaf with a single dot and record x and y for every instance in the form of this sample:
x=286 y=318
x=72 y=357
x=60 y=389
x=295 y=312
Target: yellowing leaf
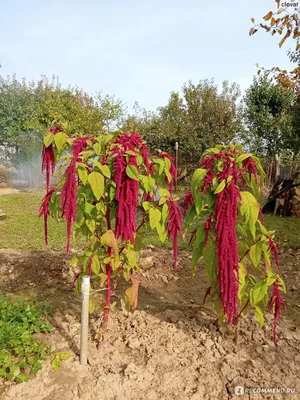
x=249 y=209
x=255 y=253
x=268 y=16
x=83 y=175
x=97 y=148
x=96 y=181
x=91 y=306
x=132 y=172
x=259 y=316
x=60 y=139
x=108 y=239
x=131 y=257
x=154 y=217
x=95 y=265
x=48 y=139
x=220 y=187
x=132 y=293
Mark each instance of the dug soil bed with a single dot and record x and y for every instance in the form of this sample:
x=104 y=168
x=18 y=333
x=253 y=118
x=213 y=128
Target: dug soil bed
x=169 y=348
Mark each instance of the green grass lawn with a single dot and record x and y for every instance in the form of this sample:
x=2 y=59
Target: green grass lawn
x=287 y=230
x=22 y=229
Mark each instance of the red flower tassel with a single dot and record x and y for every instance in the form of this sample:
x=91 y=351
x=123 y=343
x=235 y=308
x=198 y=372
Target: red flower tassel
x=227 y=249
x=174 y=226
x=48 y=159
x=44 y=210
x=276 y=301
x=48 y=163
x=69 y=190
x=274 y=250
x=188 y=201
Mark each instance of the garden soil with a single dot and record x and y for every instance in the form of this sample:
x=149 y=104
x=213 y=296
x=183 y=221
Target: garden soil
x=169 y=348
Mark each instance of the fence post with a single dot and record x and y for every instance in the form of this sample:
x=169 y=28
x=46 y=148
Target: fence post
x=85 y=290
x=176 y=164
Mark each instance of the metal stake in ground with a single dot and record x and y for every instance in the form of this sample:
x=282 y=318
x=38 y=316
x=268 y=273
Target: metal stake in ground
x=176 y=164
x=85 y=290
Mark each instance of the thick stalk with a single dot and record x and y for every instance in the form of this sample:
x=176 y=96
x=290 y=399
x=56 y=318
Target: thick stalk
x=107 y=295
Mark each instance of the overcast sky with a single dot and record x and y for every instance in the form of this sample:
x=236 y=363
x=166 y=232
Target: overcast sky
x=136 y=50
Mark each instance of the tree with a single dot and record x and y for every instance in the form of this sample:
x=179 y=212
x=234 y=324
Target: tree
x=197 y=119
x=285 y=24
x=268 y=118
x=29 y=109
x=16 y=108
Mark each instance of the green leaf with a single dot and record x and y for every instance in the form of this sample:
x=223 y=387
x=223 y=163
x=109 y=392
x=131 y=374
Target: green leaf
x=22 y=377
x=220 y=187
x=255 y=253
x=59 y=357
x=138 y=242
x=243 y=248
x=91 y=306
x=267 y=254
x=105 y=171
x=242 y=279
x=96 y=181
x=60 y=139
x=259 y=316
x=258 y=292
x=83 y=175
x=167 y=163
x=91 y=224
x=242 y=157
x=48 y=139
x=97 y=148
x=198 y=246
x=96 y=265
x=197 y=177
x=131 y=257
x=271 y=278
x=162 y=234
x=164 y=193
x=103 y=278
x=249 y=209
x=164 y=213
x=154 y=217
x=199 y=201
x=147 y=205
x=211 y=261
x=132 y=172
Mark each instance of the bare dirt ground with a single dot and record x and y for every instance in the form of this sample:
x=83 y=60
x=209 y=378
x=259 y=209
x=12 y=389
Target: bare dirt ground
x=169 y=348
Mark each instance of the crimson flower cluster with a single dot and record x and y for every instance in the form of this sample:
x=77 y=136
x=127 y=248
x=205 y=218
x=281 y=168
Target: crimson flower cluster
x=225 y=215
x=276 y=302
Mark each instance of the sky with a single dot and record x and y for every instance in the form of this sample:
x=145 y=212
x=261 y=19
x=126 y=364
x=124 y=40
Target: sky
x=137 y=50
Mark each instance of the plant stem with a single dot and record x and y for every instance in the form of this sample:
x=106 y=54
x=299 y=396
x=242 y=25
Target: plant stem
x=107 y=296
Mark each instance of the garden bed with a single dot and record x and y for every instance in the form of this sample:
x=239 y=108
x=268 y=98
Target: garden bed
x=169 y=348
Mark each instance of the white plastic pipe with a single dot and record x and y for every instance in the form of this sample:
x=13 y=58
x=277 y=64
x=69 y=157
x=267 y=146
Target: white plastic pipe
x=85 y=290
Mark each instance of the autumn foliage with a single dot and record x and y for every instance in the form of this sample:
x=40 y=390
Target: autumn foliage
x=286 y=24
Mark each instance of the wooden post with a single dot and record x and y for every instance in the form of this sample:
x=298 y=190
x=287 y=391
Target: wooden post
x=85 y=290
x=176 y=165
